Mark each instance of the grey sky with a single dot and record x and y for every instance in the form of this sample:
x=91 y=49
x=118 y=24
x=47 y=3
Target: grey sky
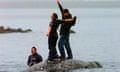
x=51 y=0
x=52 y=3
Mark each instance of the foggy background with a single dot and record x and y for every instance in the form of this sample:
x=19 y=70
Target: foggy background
x=66 y=3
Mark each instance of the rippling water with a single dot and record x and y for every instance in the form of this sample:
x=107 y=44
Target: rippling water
x=97 y=37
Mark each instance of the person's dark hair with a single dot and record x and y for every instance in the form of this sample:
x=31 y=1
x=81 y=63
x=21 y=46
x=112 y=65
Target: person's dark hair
x=34 y=48
x=66 y=11
x=56 y=16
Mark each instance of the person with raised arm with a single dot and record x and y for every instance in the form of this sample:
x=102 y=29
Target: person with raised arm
x=65 y=33
x=53 y=35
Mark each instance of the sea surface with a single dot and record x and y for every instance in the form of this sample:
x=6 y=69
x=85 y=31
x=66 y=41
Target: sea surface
x=97 y=37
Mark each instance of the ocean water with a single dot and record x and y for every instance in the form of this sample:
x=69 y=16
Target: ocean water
x=97 y=37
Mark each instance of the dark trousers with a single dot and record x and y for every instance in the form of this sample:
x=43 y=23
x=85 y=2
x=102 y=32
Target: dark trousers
x=52 y=40
x=64 y=42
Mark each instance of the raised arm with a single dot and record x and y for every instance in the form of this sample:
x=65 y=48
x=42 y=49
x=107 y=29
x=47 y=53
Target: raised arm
x=60 y=7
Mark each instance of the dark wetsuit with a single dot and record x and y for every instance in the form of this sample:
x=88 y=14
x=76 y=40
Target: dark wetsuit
x=64 y=34
x=52 y=39
x=34 y=59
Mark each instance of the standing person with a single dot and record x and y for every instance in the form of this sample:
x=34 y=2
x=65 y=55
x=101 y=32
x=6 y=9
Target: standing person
x=34 y=58
x=53 y=35
x=65 y=33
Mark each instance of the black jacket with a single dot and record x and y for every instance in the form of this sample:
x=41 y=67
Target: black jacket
x=34 y=59
x=54 y=26
x=65 y=27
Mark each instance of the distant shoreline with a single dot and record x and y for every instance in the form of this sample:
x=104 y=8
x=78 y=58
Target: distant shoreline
x=52 y=4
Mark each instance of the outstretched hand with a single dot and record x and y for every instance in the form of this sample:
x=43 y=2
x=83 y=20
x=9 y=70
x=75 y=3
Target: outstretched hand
x=57 y=1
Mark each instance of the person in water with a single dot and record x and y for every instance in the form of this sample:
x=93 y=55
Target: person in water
x=53 y=35
x=65 y=33
x=34 y=58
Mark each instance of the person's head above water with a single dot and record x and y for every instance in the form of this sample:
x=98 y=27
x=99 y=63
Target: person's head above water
x=33 y=50
x=54 y=16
